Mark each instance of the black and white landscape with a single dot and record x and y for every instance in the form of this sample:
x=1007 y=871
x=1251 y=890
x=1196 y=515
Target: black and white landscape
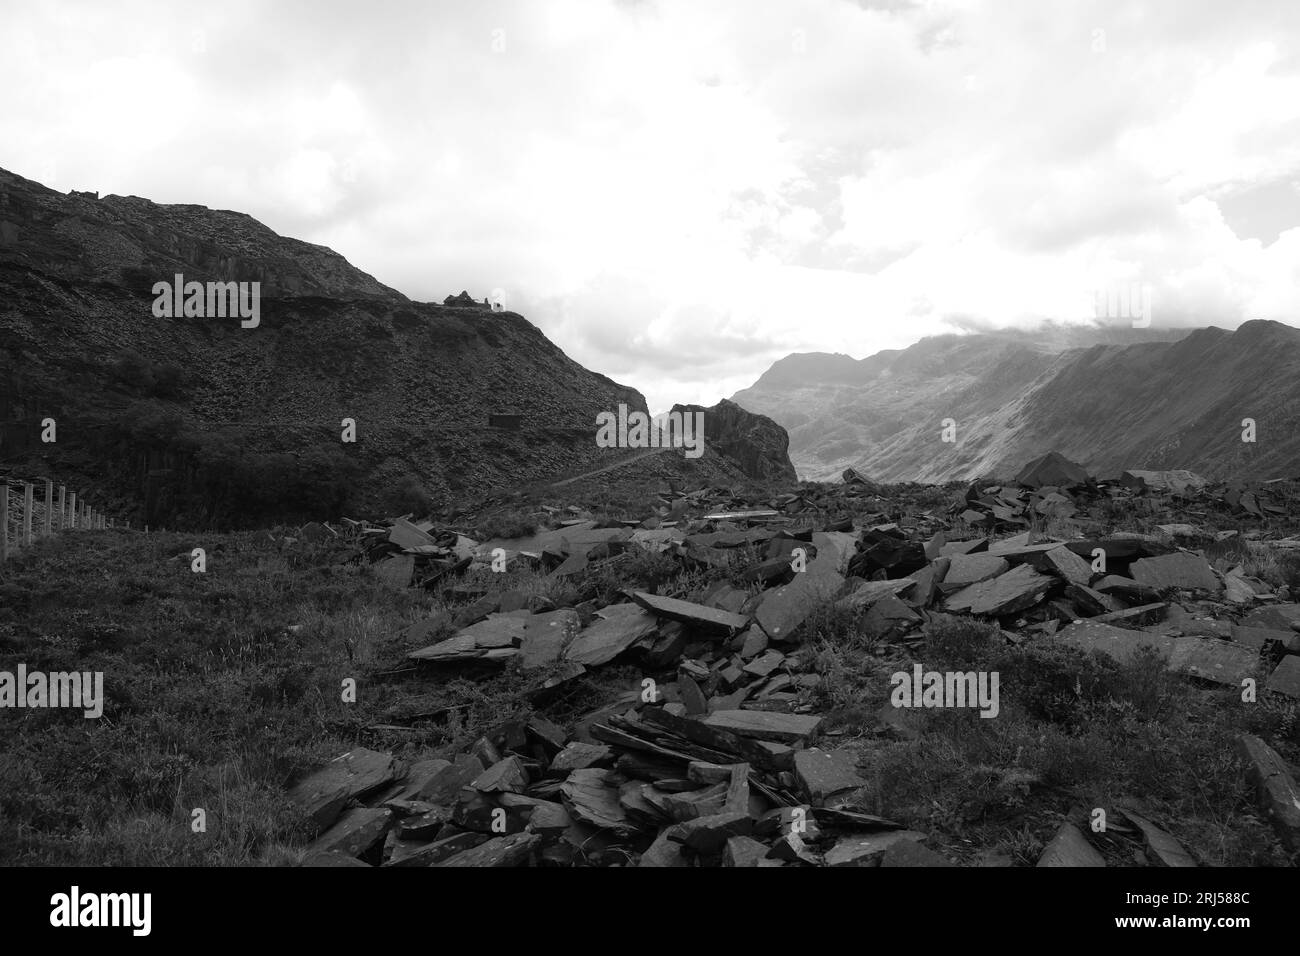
x=635 y=433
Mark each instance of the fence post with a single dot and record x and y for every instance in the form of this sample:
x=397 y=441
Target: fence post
x=63 y=507
x=72 y=509
x=4 y=521
x=49 y=507
x=28 y=505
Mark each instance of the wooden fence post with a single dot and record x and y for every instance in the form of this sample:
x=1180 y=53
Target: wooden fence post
x=28 y=505
x=49 y=508
x=72 y=510
x=63 y=507
x=4 y=521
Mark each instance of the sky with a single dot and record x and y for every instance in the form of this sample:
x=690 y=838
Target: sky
x=680 y=193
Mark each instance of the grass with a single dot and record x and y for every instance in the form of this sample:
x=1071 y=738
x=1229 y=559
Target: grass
x=1074 y=732
x=223 y=687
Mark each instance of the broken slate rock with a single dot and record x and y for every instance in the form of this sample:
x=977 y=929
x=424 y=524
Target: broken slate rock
x=1115 y=642
x=1220 y=661
x=868 y=850
x=765 y=725
x=324 y=793
x=1019 y=588
x=355 y=832
x=1183 y=570
x=1070 y=848
x=1275 y=788
x=705 y=618
x=822 y=774
x=1285 y=678
x=619 y=627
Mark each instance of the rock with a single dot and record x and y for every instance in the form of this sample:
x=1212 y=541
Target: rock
x=912 y=853
x=1285 y=678
x=355 y=832
x=507 y=775
x=709 y=834
x=1220 y=661
x=511 y=850
x=1052 y=469
x=1116 y=643
x=1278 y=616
x=965 y=569
x=579 y=756
x=450 y=780
x=545 y=636
x=743 y=851
x=1070 y=848
x=1183 y=570
x=1175 y=482
x=757 y=444
x=1018 y=589
x=332 y=859
x=1063 y=563
x=1126 y=588
x=591 y=797
x=785 y=608
x=823 y=774
x=1276 y=790
x=1164 y=846
x=868 y=850
x=324 y=793
x=409 y=854
x=706 y=618
x=762 y=725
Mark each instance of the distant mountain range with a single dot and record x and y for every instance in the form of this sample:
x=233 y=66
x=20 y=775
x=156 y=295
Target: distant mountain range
x=1109 y=397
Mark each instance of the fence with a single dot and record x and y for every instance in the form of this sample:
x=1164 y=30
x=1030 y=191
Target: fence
x=26 y=515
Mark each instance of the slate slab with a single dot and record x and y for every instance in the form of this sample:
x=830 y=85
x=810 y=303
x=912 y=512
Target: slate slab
x=324 y=793
x=1221 y=661
x=1019 y=588
x=1070 y=848
x=1187 y=571
x=764 y=725
x=1275 y=788
x=619 y=627
x=1115 y=642
x=707 y=618
x=1285 y=678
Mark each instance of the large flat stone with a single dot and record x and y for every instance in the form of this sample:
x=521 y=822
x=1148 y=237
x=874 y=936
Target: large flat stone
x=545 y=637
x=868 y=850
x=1070 y=848
x=966 y=569
x=765 y=725
x=1187 y=571
x=620 y=626
x=1275 y=788
x=1019 y=588
x=1285 y=678
x=1220 y=661
x=1115 y=642
x=698 y=615
x=355 y=832
x=785 y=608
x=324 y=793
x=1278 y=616
x=824 y=773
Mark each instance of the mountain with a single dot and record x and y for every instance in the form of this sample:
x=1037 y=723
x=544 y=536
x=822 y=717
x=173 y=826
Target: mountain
x=209 y=421
x=1108 y=397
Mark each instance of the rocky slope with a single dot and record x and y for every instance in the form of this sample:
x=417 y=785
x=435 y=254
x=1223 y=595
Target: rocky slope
x=195 y=411
x=1131 y=399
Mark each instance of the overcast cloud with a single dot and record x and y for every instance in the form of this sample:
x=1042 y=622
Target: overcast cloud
x=678 y=194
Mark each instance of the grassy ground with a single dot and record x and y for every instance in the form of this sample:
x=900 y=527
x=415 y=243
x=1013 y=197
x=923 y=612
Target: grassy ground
x=222 y=686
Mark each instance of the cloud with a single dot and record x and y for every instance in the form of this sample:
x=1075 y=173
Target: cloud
x=678 y=194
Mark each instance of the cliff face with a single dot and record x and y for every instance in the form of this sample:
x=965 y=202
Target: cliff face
x=758 y=445
x=187 y=409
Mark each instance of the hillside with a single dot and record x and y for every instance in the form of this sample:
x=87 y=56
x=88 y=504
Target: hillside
x=208 y=421
x=1129 y=399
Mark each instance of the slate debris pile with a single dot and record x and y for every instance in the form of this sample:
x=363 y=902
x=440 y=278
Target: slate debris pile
x=716 y=759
